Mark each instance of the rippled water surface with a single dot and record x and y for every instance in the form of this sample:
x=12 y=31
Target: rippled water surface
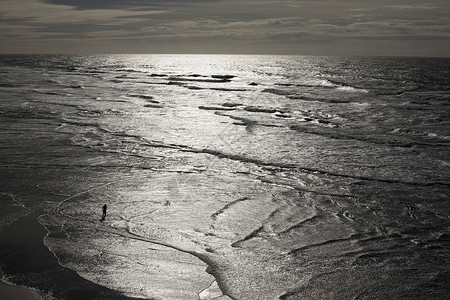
x=242 y=177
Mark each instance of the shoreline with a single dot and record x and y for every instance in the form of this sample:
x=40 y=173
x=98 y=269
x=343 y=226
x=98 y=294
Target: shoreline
x=30 y=266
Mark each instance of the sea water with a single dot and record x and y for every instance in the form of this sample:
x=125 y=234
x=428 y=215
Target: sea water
x=235 y=177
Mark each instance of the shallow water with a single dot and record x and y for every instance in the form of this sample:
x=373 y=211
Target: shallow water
x=252 y=177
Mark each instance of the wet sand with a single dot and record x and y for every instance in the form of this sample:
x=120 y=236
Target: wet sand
x=26 y=261
x=14 y=292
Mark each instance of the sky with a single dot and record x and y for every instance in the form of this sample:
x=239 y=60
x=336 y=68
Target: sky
x=316 y=27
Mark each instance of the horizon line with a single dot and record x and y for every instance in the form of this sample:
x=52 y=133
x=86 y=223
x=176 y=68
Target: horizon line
x=232 y=54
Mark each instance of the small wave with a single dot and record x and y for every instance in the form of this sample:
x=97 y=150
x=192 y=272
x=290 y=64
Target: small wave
x=240 y=158
x=255 y=233
x=194 y=87
x=326 y=83
x=283 y=115
x=229 y=104
x=344 y=87
x=339 y=101
x=82 y=124
x=228 y=89
x=130 y=71
x=294 y=93
x=113 y=111
x=51 y=93
x=145 y=97
x=158 y=75
x=226 y=207
x=308 y=221
x=223 y=77
x=352 y=237
x=125 y=77
x=374 y=139
x=278 y=92
x=260 y=109
x=351 y=89
x=406 y=131
x=325 y=100
x=89 y=113
x=153 y=106
x=75 y=86
x=215 y=108
x=175 y=83
x=214 y=80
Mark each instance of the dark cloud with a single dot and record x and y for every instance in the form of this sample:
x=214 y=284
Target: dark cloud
x=116 y=4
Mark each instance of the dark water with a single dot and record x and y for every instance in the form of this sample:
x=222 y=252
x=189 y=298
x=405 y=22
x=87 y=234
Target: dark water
x=244 y=177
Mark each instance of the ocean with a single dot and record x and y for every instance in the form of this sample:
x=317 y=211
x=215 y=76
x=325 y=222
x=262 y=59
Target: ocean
x=227 y=176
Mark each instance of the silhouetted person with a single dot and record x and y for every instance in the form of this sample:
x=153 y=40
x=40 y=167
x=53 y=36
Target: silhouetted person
x=104 y=213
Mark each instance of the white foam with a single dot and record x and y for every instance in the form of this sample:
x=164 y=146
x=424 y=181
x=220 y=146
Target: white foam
x=347 y=88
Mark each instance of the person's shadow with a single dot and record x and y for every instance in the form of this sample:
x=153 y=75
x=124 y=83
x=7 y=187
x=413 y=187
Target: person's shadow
x=104 y=213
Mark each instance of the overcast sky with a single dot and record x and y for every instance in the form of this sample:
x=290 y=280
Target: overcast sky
x=320 y=27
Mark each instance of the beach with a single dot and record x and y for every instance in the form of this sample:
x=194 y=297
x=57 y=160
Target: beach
x=26 y=260
x=225 y=177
